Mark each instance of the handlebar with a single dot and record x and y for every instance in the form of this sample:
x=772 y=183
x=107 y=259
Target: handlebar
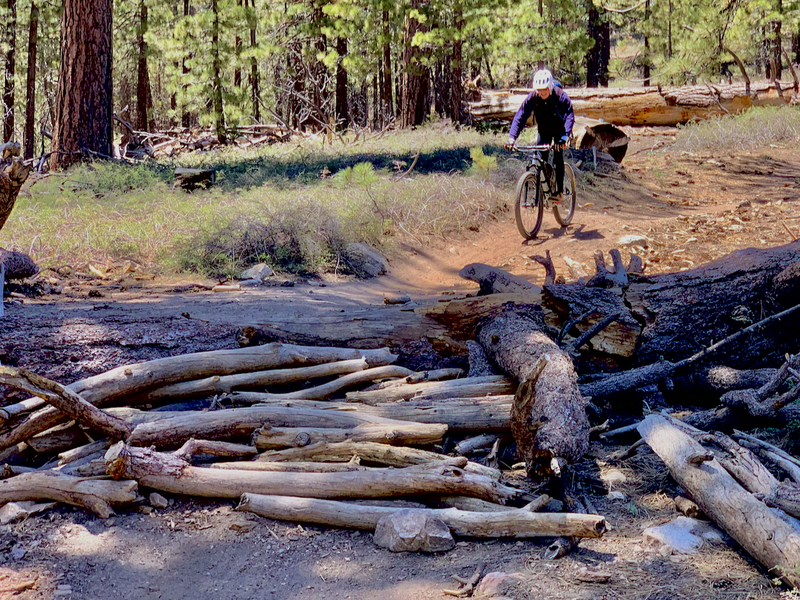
x=539 y=147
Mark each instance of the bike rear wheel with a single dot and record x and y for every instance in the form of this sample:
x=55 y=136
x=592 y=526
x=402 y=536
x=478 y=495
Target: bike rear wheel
x=564 y=211
x=529 y=205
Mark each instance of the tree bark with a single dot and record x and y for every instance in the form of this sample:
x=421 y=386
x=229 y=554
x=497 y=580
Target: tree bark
x=769 y=539
x=599 y=56
x=216 y=78
x=255 y=94
x=144 y=98
x=416 y=76
x=518 y=523
x=10 y=70
x=342 y=109
x=468 y=387
x=30 y=87
x=548 y=418
x=96 y=496
x=167 y=473
x=12 y=176
x=84 y=109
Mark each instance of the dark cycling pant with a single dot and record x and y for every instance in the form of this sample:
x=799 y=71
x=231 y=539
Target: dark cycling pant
x=558 y=160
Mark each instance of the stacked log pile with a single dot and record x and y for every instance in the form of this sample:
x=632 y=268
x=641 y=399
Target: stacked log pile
x=288 y=453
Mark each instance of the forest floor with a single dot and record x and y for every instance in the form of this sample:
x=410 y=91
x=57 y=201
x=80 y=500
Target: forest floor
x=692 y=209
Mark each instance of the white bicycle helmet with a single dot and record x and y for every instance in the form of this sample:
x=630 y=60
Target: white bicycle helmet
x=543 y=79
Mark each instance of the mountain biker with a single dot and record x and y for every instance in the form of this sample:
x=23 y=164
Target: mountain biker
x=552 y=110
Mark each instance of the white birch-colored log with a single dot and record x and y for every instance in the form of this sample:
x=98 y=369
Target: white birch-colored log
x=96 y=496
x=398 y=434
x=132 y=379
x=468 y=387
x=168 y=473
x=369 y=452
x=771 y=540
x=461 y=415
x=518 y=523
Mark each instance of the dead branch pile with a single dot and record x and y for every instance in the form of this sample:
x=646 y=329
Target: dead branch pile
x=272 y=434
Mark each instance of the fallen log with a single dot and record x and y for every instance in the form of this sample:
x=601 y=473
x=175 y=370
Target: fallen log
x=642 y=106
x=238 y=423
x=490 y=414
x=399 y=434
x=548 y=419
x=468 y=387
x=65 y=400
x=228 y=383
x=96 y=496
x=513 y=523
x=767 y=537
x=129 y=380
x=195 y=447
x=12 y=175
x=369 y=452
x=167 y=473
x=290 y=467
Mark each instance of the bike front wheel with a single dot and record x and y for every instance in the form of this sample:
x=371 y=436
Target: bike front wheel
x=529 y=205
x=564 y=211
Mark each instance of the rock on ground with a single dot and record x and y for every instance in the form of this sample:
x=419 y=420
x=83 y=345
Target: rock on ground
x=413 y=531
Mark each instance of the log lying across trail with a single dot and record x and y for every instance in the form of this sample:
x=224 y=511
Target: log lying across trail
x=771 y=540
x=168 y=473
x=519 y=523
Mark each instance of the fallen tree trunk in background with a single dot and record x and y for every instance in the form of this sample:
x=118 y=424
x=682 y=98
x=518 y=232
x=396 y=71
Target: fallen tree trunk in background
x=645 y=105
x=769 y=539
x=512 y=523
x=13 y=174
x=96 y=496
x=548 y=418
x=167 y=473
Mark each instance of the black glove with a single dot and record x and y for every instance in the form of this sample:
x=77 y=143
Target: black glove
x=563 y=142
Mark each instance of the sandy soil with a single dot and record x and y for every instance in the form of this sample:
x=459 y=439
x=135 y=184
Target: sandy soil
x=691 y=209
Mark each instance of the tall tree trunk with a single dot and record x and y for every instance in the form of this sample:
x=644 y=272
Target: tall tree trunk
x=646 y=57
x=387 y=105
x=669 y=31
x=796 y=46
x=143 y=94
x=457 y=68
x=30 y=91
x=186 y=117
x=237 y=44
x=598 y=57
x=775 y=55
x=8 y=86
x=255 y=94
x=216 y=78
x=416 y=76
x=342 y=110
x=84 y=108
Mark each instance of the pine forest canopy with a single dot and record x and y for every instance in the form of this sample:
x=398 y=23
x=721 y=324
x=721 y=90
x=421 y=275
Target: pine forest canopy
x=360 y=63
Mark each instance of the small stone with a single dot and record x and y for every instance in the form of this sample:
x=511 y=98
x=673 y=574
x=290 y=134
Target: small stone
x=158 y=501
x=497 y=583
x=144 y=509
x=682 y=535
x=250 y=283
x=260 y=272
x=616 y=496
x=18 y=552
x=613 y=478
x=412 y=530
x=634 y=240
x=241 y=524
x=364 y=261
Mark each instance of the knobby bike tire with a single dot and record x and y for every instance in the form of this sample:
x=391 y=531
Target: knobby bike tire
x=529 y=204
x=566 y=211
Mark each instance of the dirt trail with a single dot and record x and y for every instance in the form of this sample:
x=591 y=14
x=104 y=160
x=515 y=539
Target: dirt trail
x=690 y=209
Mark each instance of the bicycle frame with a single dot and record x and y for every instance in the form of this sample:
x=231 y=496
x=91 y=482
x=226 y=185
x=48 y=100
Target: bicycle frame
x=536 y=160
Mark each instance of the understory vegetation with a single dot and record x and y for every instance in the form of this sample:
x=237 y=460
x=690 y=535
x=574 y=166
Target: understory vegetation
x=294 y=206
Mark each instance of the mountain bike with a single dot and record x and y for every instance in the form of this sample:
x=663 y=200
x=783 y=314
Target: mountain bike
x=536 y=188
